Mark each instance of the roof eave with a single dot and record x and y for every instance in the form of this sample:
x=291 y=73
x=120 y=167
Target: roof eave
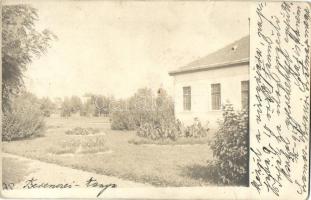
x=209 y=67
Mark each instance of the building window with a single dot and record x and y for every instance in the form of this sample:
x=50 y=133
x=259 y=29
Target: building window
x=244 y=94
x=216 y=96
x=187 y=98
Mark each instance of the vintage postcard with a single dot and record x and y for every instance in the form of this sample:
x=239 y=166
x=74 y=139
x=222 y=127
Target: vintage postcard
x=155 y=99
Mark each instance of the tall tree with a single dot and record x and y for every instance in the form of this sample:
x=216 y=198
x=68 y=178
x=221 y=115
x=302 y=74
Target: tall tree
x=76 y=104
x=47 y=106
x=21 y=42
x=66 y=108
x=141 y=105
x=102 y=105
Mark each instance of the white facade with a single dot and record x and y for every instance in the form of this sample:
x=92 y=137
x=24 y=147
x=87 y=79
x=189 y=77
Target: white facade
x=229 y=77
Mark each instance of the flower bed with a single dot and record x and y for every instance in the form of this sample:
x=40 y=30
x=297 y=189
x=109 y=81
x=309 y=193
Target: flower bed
x=82 y=131
x=172 y=130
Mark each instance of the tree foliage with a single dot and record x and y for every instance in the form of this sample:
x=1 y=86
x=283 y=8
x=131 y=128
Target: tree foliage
x=21 y=43
x=47 y=106
x=25 y=119
x=66 y=107
x=230 y=147
x=102 y=105
x=76 y=104
x=143 y=107
x=88 y=108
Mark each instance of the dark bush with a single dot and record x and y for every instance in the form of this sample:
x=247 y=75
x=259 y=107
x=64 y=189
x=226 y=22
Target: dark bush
x=25 y=119
x=230 y=147
x=122 y=120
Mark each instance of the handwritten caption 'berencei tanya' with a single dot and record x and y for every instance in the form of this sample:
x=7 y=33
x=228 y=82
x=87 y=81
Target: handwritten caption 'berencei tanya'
x=34 y=183
x=280 y=98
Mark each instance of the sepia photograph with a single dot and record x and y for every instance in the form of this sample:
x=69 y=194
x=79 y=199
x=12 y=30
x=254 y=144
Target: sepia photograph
x=106 y=93
x=132 y=94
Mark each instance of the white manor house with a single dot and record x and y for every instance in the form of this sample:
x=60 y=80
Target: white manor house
x=204 y=85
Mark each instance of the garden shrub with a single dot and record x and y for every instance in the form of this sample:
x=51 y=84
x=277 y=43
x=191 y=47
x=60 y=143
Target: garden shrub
x=24 y=120
x=230 y=147
x=143 y=107
x=196 y=130
x=158 y=131
x=172 y=130
x=82 y=131
x=122 y=120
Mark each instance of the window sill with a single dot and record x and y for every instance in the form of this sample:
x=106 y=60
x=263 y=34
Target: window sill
x=214 y=111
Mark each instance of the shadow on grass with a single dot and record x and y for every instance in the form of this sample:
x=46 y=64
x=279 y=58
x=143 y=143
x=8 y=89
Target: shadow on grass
x=180 y=141
x=14 y=170
x=211 y=174
x=30 y=138
x=205 y=174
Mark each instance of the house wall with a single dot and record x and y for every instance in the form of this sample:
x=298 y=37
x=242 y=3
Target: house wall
x=201 y=101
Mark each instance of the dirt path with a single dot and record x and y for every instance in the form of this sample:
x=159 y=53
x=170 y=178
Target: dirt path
x=55 y=174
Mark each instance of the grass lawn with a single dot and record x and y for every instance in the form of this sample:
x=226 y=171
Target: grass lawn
x=14 y=171
x=111 y=153
x=180 y=141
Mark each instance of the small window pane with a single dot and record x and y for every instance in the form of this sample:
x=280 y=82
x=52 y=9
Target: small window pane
x=187 y=98
x=244 y=94
x=216 y=96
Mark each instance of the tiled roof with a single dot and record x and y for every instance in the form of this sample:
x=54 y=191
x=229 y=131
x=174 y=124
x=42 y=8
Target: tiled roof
x=234 y=53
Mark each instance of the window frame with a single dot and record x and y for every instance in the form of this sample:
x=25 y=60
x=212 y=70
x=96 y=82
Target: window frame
x=244 y=90
x=214 y=99
x=186 y=98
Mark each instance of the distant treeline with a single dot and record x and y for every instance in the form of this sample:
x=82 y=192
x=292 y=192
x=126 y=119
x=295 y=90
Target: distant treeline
x=94 y=105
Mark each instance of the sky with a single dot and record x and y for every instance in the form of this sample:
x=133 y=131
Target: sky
x=116 y=47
